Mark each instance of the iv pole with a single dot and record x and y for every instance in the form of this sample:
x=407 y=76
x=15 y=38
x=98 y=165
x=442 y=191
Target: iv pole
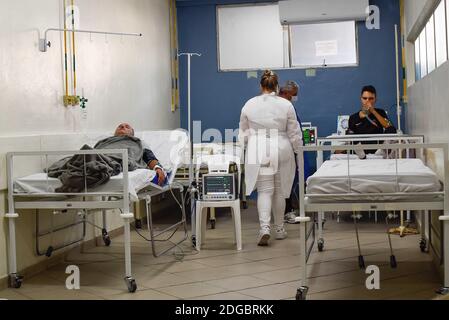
x=398 y=91
x=192 y=189
x=402 y=230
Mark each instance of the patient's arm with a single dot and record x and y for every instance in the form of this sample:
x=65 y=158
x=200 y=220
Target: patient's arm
x=153 y=164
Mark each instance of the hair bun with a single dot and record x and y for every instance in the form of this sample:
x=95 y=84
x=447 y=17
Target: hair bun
x=268 y=73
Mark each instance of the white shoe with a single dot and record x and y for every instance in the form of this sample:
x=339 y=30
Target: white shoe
x=361 y=154
x=264 y=236
x=281 y=234
x=290 y=218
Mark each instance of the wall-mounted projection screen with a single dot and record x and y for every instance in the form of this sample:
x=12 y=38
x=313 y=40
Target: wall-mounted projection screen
x=250 y=37
x=331 y=44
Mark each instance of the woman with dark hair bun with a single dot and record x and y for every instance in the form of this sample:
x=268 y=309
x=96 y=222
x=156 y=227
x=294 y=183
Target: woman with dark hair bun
x=271 y=133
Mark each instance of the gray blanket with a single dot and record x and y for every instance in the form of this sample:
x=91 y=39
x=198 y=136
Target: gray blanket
x=82 y=172
x=134 y=146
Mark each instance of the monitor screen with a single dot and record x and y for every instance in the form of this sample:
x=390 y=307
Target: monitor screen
x=219 y=185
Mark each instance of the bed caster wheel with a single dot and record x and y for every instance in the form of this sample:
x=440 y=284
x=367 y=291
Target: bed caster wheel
x=362 y=262
x=245 y=205
x=106 y=238
x=15 y=281
x=443 y=291
x=49 y=251
x=301 y=293
x=212 y=224
x=131 y=284
x=423 y=245
x=320 y=245
x=393 y=262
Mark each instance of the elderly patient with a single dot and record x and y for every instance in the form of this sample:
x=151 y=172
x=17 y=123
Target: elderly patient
x=79 y=172
x=124 y=134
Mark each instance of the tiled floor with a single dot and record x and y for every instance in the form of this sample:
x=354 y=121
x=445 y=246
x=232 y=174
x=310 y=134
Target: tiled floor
x=220 y=272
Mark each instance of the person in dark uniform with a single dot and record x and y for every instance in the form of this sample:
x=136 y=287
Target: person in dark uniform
x=370 y=120
x=290 y=92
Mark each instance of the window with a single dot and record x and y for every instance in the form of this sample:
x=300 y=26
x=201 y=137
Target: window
x=325 y=44
x=431 y=47
x=417 y=61
x=430 y=38
x=251 y=37
x=423 y=53
x=447 y=21
x=440 y=34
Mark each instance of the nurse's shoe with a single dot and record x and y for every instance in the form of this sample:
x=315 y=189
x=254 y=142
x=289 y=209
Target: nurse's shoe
x=281 y=234
x=290 y=218
x=264 y=236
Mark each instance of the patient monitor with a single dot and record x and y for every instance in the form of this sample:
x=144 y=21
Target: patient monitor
x=220 y=183
x=309 y=133
x=218 y=187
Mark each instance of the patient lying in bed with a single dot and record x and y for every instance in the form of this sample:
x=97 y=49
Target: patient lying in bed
x=78 y=172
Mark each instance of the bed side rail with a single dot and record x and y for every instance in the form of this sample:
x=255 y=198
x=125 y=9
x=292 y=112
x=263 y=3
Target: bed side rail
x=11 y=156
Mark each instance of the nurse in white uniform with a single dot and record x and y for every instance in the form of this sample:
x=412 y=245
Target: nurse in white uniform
x=271 y=133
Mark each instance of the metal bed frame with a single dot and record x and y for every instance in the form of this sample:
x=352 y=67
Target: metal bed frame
x=318 y=207
x=83 y=202
x=350 y=140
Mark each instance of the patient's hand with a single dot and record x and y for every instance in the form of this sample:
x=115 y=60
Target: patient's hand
x=160 y=176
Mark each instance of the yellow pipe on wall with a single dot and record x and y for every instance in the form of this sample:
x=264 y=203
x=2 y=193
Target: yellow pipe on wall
x=404 y=61
x=74 y=49
x=65 y=52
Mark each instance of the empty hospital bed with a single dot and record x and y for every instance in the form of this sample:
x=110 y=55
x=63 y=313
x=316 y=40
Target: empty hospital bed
x=367 y=185
x=37 y=191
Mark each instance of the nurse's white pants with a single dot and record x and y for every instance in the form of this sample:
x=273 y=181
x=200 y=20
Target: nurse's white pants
x=270 y=199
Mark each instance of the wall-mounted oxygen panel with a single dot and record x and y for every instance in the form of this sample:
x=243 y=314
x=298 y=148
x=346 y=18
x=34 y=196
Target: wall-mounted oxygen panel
x=306 y=11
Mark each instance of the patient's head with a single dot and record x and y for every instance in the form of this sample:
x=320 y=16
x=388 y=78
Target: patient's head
x=124 y=129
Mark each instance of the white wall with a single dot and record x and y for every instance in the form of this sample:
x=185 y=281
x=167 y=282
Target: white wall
x=412 y=11
x=427 y=112
x=124 y=78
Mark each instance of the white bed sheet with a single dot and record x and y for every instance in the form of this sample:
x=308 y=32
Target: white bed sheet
x=373 y=176
x=40 y=183
x=355 y=157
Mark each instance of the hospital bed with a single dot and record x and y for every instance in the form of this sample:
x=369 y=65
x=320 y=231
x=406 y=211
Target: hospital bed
x=399 y=184
x=356 y=139
x=37 y=191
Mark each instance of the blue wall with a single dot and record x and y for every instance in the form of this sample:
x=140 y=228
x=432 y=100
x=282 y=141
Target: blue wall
x=218 y=97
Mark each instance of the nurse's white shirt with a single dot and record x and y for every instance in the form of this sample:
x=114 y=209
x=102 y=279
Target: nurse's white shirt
x=271 y=132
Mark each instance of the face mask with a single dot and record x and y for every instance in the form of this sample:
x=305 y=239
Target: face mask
x=295 y=99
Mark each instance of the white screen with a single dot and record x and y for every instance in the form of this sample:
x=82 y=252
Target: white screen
x=250 y=37
x=324 y=43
